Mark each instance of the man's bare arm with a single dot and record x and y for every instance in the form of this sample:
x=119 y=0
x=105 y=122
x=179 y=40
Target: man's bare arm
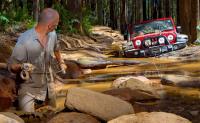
x=15 y=68
x=58 y=57
x=61 y=62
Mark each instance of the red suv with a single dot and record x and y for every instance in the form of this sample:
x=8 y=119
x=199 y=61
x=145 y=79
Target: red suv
x=152 y=38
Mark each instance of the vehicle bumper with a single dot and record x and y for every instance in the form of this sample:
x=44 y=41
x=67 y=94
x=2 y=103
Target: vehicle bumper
x=153 y=51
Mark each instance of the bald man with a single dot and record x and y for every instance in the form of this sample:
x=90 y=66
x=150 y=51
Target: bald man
x=36 y=47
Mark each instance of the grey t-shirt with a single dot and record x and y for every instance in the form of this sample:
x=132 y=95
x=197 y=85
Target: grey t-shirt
x=29 y=50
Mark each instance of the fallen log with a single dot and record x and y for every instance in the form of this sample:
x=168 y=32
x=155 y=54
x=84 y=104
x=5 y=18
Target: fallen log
x=97 y=63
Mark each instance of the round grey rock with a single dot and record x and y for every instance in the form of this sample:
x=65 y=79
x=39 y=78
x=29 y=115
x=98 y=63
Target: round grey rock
x=153 y=117
x=97 y=104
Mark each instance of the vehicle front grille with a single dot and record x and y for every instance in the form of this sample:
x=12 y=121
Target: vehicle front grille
x=154 y=41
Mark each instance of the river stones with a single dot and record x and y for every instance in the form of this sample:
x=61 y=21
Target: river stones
x=7 y=117
x=73 y=117
x=120 y=81
x=181 y=81
x=153 y=117
x=141 y=84
x=103 y=106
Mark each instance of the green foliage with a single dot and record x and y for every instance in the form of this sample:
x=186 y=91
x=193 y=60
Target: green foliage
x=87 y=25
x=15 y=18
x=3 y=21
x=30 y=24
x=197 y=43
x=20 y=15
x=68 y=20
x=88 y=20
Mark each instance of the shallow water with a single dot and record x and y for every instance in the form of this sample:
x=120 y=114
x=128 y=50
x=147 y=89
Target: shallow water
x=181 y=101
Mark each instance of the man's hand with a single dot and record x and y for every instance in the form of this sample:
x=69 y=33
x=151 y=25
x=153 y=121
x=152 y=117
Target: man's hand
x=63 y=67
x=27 y=67
x=61 y=62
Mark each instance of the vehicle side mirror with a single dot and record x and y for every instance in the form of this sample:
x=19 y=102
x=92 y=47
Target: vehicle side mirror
x=178 y=29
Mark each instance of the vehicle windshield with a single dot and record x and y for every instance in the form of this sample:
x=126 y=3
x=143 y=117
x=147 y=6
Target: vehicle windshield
x=152 y=27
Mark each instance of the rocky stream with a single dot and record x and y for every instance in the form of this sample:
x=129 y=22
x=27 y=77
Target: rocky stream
x=100 y=87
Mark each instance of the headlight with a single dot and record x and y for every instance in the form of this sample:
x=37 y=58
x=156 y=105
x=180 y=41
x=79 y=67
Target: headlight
x=129 y=43
x=147 y=42
x=170 y=37
x=161 y=40
x=137 y=42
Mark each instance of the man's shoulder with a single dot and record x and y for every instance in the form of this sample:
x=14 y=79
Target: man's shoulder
x=26 y=35
x=53 y=33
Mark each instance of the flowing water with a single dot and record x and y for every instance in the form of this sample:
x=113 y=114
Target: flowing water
x=178 y=100
x=181 y=101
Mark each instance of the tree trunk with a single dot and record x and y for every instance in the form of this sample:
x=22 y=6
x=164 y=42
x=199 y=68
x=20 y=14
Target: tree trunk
x=93 y=5
x=122 y=16
x=48 y=3
x=194 y=20
x=36 y=9
x=188 y=18
x=133 y=18
x=1 y=3
x=41 y=4
x=198 y=9
x=100 y=11
x=184 y=9
x=112 y=14
x=75 y=7
x=178 y=15
x=139 y=10
x=144 y=9
x=167 y=8
x=155 y=9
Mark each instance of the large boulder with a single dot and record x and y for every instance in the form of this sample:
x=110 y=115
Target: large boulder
x=130 y=95
x=181 y=81
x=73 y=117
x=133 y=82
x=120 y=81
x=153 y=117
x=7 y=117
x=103 y=106
x=7 y=92
x=139 y=83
